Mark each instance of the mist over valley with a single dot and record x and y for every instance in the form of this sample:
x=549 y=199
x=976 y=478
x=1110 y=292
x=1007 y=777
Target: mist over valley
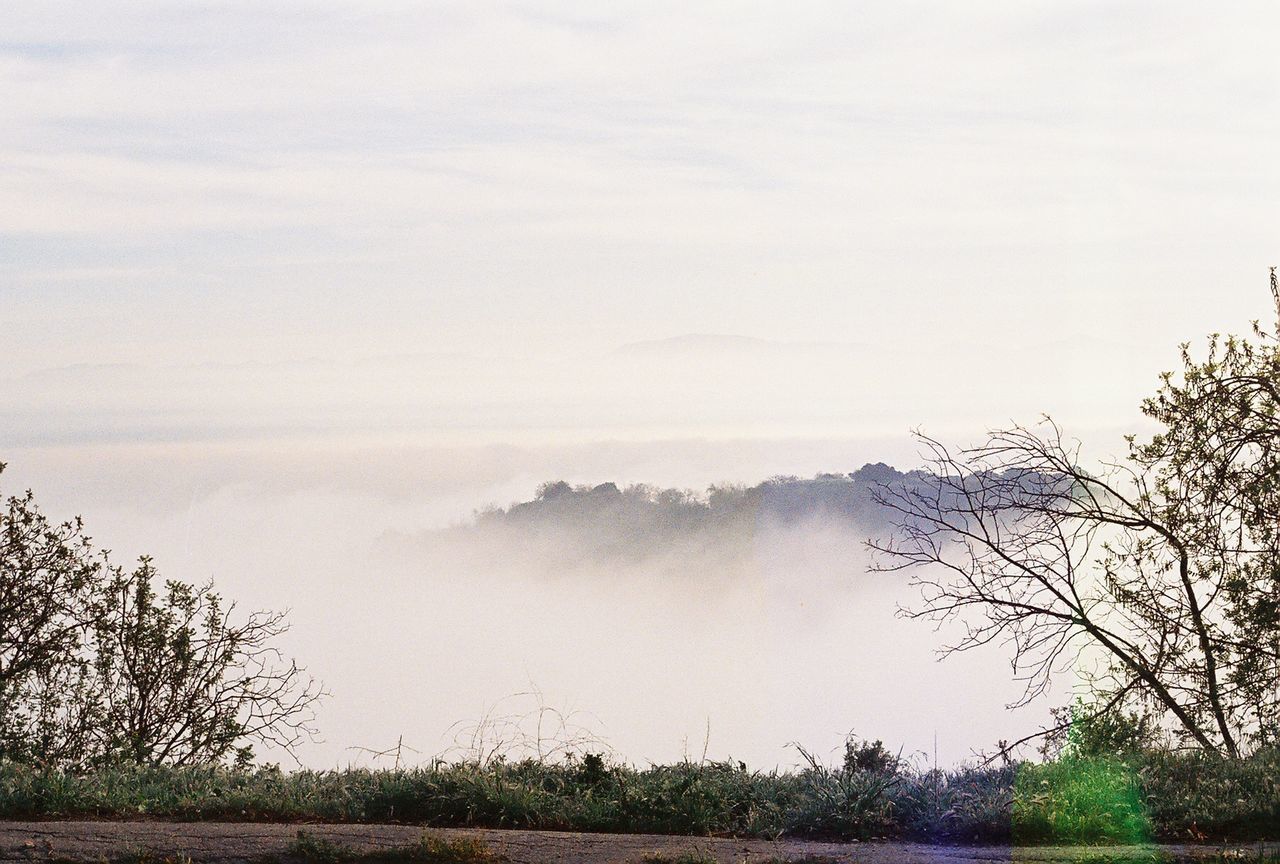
x=731 y=613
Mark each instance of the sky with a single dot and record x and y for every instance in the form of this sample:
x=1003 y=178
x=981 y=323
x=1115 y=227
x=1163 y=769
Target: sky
x=384 y=264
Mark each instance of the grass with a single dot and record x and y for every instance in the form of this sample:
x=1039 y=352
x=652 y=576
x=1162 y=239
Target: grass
x=429 y=849
x=696 y=856
x=1080 y=801
x=129 y=857
x=1156 y=856
x=1149 y=797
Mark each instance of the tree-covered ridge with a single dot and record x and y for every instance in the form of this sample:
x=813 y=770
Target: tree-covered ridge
x=640 y=519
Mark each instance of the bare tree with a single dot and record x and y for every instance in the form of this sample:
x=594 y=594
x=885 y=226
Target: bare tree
x=1157 y=576
x=181 y=682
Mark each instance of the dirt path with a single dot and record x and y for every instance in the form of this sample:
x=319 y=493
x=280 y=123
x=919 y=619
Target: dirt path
x=228 y=843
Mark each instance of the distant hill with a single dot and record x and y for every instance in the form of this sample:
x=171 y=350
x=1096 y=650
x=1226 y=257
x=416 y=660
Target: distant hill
x=638 y=521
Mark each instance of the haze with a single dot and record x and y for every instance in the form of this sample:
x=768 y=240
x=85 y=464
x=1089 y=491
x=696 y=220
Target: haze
x=281 y=288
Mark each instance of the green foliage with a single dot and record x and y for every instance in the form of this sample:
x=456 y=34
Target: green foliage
x=130 y=856
x=1080 y=801
x=99 y=666
x=1090 y=731
x=430 y=848
x=180 y=684
x=966 y=805
x=48 y=575
x=1154 y=794
x=1165 y=795
x=320 y=850
x=871 y=757
x=1218 y=477
x=696 y=856
x=852 y=802
x=1164 y=568
x=1193 y=796
x=434 y=849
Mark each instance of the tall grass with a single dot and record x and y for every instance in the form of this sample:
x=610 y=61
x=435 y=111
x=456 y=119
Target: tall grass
x=1080 y=801
x=1148 y=796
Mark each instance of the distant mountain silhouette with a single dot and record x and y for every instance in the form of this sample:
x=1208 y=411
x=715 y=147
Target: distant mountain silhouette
x=638 y=521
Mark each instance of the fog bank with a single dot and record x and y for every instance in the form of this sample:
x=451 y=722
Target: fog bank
x=419 y=615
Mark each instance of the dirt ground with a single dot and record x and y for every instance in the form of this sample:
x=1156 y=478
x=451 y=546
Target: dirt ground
x=244 y=842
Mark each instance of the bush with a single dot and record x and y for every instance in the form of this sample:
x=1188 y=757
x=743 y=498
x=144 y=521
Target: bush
x=100 y=667
x=1155 y=795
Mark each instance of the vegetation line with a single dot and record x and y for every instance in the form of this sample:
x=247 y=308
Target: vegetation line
x=1104 y=789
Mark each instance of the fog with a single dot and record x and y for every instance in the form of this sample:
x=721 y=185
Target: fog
x=290 y=294
x=692 y=386
x=733 y=642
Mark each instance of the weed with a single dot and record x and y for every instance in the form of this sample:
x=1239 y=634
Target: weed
x=129 y=856
x=429 y=849
x=321 y=850
x=696 y=856
x=434 y=849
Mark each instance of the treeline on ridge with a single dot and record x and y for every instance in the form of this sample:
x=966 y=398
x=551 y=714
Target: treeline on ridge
x=638 y=520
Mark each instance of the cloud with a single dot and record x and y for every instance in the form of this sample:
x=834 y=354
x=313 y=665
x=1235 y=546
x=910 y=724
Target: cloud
x=230 y=180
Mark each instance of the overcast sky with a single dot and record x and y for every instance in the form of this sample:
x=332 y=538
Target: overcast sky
x=461 y=248
x=332 y=183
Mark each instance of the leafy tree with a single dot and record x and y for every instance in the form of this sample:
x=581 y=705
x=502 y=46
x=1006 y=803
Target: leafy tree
x=1157 y=576
x=48 y=579
x=1083 y=732
x=869 y=756
x=97 y=666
